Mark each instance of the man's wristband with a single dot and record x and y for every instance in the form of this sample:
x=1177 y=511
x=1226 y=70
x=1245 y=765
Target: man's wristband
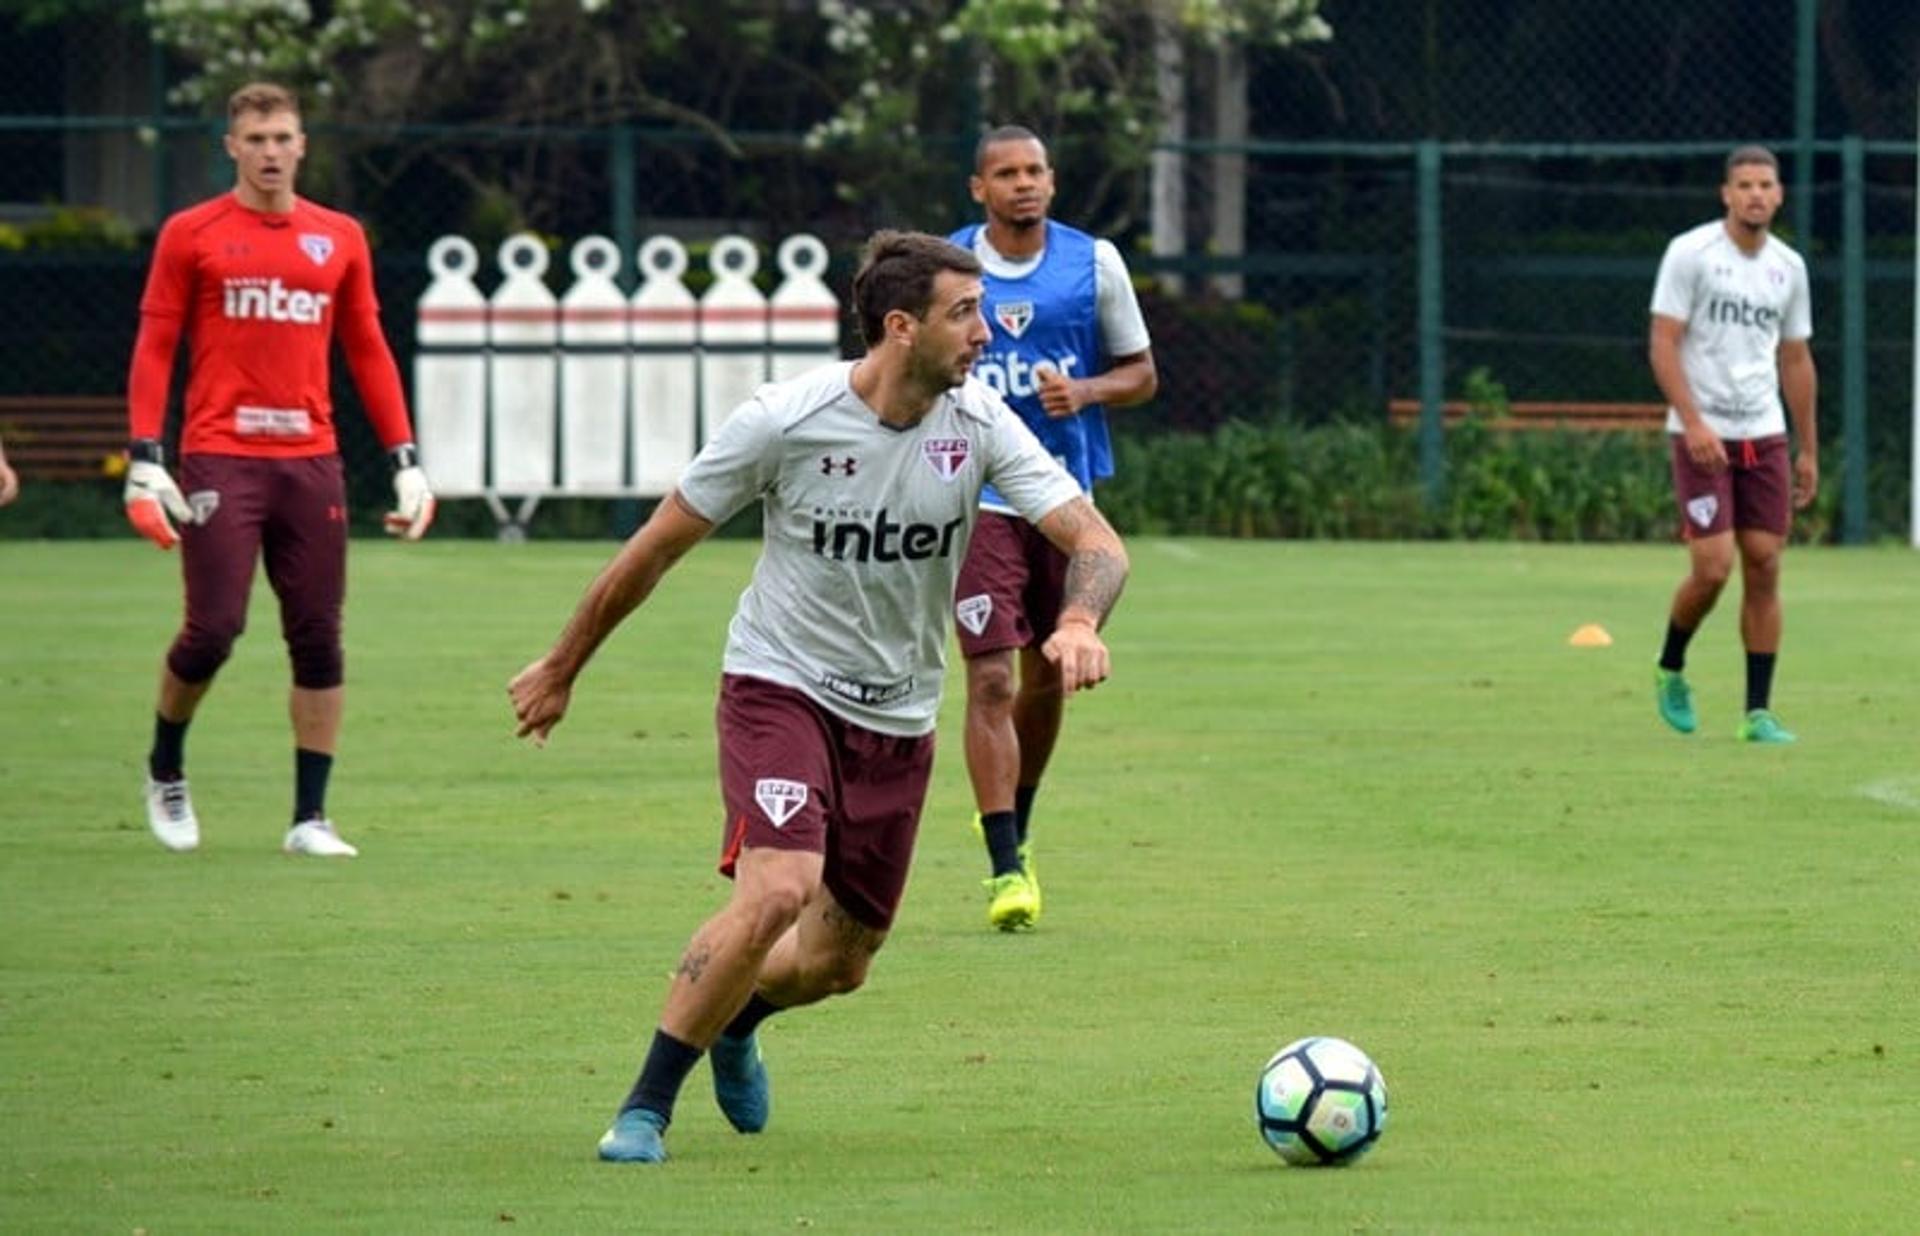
x=406 y=455
x=146 y=450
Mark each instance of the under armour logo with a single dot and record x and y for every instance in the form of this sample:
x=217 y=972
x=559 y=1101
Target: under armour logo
x=829 y=466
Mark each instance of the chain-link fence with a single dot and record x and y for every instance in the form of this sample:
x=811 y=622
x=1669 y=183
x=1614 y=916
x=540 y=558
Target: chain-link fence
x=1278 y=242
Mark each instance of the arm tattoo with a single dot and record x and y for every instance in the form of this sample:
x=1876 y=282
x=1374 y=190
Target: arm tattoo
x=1094 y=580
x=1095 y=574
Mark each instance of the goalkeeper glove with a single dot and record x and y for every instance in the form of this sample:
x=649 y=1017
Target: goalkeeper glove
x=413 y=500
x=150 y=495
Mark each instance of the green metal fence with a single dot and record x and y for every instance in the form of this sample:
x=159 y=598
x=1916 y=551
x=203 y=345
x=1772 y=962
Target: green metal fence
x=1395 y=231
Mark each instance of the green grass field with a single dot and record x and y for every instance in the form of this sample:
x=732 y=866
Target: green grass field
x=1616 y=979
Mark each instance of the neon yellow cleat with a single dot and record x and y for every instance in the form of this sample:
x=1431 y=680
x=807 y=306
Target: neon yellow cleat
x=1033 y=876
x=1012 y=901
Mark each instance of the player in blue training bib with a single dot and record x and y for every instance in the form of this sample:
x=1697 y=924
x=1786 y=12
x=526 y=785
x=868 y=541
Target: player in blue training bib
x=1068 y=341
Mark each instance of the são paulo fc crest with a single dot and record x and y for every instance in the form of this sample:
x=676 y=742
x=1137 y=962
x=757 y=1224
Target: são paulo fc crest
x=203 y=503
x=316 y=246
x=973 y=612
x=1702 y=509
x=779 y=798
x=946 y=456
x=1014 y=316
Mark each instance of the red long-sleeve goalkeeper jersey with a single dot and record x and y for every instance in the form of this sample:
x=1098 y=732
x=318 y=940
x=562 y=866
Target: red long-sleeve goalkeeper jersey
x=260 y=297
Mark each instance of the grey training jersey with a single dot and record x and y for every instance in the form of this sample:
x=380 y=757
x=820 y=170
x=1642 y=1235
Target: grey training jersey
x=1738 y=307
x=866 y=526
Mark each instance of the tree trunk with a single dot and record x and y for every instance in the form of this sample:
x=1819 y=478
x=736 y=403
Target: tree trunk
x=1230 y=122
x=1170 y=166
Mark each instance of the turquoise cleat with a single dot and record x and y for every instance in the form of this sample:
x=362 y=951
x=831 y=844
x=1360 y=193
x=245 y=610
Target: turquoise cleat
x=740 y=1082
x=1675 y=698
x=635 y=1138
x=1762 y=726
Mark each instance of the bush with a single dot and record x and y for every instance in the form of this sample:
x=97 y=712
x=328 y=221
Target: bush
x=1337 y=480
x=64 y=510
x=1349 y=479
x=71 y=229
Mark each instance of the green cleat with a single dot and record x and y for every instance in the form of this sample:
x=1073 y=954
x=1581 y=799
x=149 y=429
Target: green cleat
x=1762 y=726
x=1012 y=902
x=1675 y=698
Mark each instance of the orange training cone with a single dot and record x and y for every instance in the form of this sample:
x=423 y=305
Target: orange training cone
x=1593 y=635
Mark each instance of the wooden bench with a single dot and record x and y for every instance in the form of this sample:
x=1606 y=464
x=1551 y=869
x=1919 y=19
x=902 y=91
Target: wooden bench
x=1542 y=414
x=64 y=437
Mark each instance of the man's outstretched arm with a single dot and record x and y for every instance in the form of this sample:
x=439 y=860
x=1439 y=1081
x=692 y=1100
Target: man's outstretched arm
x=1096 y=574
x=541 y=692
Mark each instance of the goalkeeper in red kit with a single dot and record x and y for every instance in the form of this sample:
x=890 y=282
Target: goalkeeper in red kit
x=261 y=282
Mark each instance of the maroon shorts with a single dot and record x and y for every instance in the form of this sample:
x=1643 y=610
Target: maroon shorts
x=293 y=514
x=1754 y=491
x=796 y=777
x=1010 y=588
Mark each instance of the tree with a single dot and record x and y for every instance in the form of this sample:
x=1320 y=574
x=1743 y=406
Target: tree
x=1090 y=76
x=891 y=95
x=692 y=75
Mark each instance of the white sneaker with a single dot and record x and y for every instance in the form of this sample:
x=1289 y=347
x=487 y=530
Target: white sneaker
x=316 y=837
x=170 y=815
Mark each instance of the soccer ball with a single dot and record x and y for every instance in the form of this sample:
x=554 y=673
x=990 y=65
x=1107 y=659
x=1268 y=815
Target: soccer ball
x=1320 y=1101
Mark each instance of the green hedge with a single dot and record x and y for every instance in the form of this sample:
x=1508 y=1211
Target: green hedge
x=1363 y=481
x=1337 y=480
x=90 y=510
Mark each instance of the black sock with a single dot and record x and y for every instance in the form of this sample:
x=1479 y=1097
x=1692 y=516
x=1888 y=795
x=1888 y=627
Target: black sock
x=1003 y=841
x=1023 y=809
x=310 y=772
x=1759 y=679
x=1673 y=657
x=668 y=1063
x=168 y=758
x=748 y=1019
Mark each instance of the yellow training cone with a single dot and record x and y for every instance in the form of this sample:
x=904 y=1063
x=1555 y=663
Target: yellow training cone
x=1593 y=635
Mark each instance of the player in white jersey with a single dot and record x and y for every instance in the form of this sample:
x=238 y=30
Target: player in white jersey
x=1731 y=321
x=870 y=474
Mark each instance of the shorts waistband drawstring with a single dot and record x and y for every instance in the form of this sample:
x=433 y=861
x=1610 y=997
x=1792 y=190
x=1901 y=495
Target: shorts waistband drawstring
x=1749 y=458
